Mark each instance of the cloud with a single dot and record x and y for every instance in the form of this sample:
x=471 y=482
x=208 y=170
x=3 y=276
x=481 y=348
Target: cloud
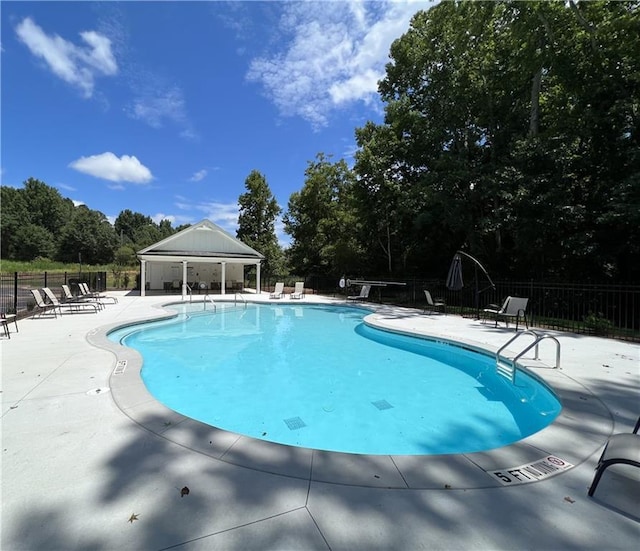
x=334 y=54
x=225 y=215
x=198 y=175
x=109 y=167
x=153 y=107
x=176 y=220
x=78 y=65
x=157 y=102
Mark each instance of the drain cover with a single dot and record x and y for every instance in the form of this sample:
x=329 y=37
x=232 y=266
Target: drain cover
x=295 y=423
x=382 y=404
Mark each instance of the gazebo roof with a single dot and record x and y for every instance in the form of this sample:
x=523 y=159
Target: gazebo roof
x=204 y=240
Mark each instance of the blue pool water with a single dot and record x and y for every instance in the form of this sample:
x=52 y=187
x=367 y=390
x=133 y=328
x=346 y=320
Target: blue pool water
x=318 y=377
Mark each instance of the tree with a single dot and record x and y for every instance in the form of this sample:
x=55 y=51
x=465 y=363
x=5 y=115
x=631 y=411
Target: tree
x=32 y=241
x=511 y=128
x=89 y=234
x=127 y=223
x=321 y=220
x=124 y=257
x=47 y=208
x=256 y=222
x=14 y=214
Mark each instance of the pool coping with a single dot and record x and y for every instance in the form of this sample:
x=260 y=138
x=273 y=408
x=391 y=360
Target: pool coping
x=574 y=436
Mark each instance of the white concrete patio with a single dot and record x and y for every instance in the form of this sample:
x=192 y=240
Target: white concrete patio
x=91 y=462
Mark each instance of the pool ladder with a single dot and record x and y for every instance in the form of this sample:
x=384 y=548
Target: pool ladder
x=506 y=366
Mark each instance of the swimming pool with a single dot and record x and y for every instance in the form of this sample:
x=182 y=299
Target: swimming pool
x=318 y=377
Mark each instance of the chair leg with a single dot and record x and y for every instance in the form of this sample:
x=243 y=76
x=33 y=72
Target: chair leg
x=599 y=470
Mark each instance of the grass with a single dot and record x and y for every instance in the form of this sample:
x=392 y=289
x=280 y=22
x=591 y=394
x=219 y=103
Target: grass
x=44 y=265
x=51 y=267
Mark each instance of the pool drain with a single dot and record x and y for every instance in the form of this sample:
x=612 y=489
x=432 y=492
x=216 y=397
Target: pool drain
x=295 y=423
x=382 y=404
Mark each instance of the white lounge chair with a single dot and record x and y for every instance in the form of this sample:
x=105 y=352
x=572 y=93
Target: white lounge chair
x=43 y=307
x=298 y=291
x=364 y=294
x=278 y=290
x=69 y=297
x=434 y=305
x=621 y=448
x=75 y=306
x=87 y=293
x=513 y=307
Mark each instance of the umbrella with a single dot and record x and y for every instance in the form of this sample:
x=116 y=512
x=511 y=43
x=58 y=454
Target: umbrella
x=454 y=279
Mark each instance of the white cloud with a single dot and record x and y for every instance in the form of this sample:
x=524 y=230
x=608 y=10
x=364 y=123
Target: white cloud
x=198 y=175
x=78 y=65
x=77 y=203
x=115 y=169
x=334 y=54
x=153 y=107
x=157 y=102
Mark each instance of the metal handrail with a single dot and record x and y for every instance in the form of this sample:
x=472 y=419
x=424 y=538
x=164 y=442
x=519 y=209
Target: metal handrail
x=235 y=301
x=209 y=298
x=190 y=291
x=500 y=367
x=516 y=336
x=536 y=343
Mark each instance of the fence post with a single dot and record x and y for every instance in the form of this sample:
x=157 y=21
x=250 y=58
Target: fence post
x=15 y=293
x=45 y=280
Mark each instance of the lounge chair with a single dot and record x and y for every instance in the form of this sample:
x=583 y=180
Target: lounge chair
x=364 y=294
x=84 y=289
x=513 y=307
x=69 y=297
x=278 y=290
x=43 y=307
x=434 y=306
x=5 y=319
x=298 y=291
x=621 y=448
x=75 y=306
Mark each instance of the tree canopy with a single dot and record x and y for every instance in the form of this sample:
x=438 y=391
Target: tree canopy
x=256 y=222
x=511 y=130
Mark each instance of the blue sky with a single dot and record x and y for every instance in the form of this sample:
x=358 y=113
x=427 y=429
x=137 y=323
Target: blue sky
x=165 y=108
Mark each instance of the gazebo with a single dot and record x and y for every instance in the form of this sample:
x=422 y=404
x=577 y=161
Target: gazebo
x=202 y=256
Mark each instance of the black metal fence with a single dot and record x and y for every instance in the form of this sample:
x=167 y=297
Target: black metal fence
x=15 y=288
x=610 y=310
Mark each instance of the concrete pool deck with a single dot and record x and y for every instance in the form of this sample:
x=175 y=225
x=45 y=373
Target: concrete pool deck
x=91 y=461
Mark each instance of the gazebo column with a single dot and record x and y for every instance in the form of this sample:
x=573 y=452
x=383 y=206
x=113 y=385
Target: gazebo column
x=258 y=278
x=223 y=284
x=143 y=277
x=184 y=280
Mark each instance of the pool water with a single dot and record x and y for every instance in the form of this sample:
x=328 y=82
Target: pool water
x=318 y=377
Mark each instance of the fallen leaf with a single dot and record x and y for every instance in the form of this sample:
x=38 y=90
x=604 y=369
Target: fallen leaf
x=134 y=516
x=184 y=492
x=569 y=499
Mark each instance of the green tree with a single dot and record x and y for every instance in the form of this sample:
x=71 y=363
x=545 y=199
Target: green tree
x=47 y=208
x=14 y=214
x=256 y=222
x=128 y=223
x=90 y=235
x=124 y=257
x=321 y=221
x=32 y=241
x=511 y=128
